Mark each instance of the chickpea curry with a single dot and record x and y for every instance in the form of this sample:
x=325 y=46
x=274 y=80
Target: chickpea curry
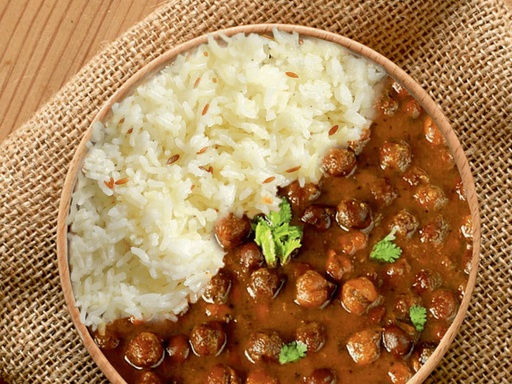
x=373 y=267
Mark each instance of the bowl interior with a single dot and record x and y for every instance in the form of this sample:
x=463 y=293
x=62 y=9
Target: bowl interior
x=399 y=75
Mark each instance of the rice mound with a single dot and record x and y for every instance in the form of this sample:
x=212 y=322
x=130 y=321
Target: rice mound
x=203 y=137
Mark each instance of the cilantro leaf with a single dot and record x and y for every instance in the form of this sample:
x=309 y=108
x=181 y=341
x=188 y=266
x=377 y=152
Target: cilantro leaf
x=385 y=250
x=274 y=219
x=290 y=246
x=418 y=315
x=281 y=217
x=276 y=237
x=264 y=238
x=287 y=238
x=285 y=211
x=293 y=351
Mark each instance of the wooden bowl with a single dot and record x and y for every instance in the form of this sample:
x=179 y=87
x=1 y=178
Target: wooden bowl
x=394 y=71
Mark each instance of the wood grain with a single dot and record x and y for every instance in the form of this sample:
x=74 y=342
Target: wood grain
x=44 y=42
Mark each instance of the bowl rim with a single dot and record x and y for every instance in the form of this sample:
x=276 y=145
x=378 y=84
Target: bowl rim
x=309 y=32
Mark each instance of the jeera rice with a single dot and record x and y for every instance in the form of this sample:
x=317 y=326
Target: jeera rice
x=218 y=130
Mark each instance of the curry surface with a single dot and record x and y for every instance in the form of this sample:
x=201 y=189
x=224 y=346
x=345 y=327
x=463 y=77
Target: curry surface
x=242 y=314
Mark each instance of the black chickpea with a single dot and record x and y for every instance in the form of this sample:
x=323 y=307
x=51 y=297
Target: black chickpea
x=264 y=346
x=321 y=376
x=358 y=294
x=223 y=374
x=435 y=230
x=430 y=197
x=404 y=223
x=260 y=376
x=231 y=230
x=399 y=373
x=422 y=353
x=265 y=283
x=443 y=304
x=353 y=214
x=426 y=280
x=318 y=216
x=145 y=350
x=313 y=290
x=106 y=339
x=149 y=377
x=250 y=256
x=178 y=348
x=396 y=341
x=364 y=346
x=299 y=196
x=312 y=334
x=208 y=339
x=338 y=264
x=218 y=288
x=339 y=162
x=395 y=156
x=383 y=192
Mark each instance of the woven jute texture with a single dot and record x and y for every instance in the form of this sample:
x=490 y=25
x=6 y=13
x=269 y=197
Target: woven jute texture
x=459 y=51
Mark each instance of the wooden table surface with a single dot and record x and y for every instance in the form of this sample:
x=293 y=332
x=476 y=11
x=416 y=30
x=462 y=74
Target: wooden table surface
x=44 y=42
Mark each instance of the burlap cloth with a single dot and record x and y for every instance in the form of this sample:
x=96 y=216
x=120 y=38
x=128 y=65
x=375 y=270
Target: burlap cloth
x=460 y=51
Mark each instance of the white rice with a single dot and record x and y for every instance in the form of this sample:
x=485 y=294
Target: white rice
x=145 y=248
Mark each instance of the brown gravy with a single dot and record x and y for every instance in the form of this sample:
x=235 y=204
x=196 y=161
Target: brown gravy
x=431 y=272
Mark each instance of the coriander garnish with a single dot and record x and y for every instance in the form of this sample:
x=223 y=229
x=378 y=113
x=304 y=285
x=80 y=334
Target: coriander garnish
x=293 y=351
x=276 y=237
x=385 y=250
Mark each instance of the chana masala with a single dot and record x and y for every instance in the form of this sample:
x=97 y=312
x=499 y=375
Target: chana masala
x=365 y=296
